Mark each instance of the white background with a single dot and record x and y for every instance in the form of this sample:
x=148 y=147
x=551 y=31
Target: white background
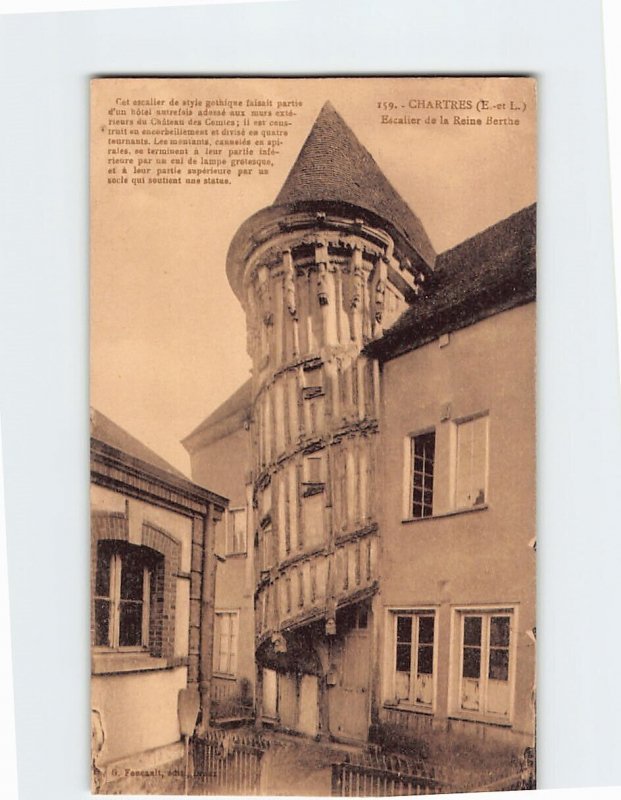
x=46 y=61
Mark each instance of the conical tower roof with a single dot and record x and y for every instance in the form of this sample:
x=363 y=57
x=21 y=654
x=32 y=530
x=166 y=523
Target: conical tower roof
x=333 y=166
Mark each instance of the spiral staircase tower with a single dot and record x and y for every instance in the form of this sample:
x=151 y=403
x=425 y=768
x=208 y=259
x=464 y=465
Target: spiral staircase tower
x=320 y=273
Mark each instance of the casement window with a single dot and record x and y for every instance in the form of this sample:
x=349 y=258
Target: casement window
x=314 y=469
x=313 y=478
x=122 y=597
x=236 y=532
x=471 y=462
x=313 y=397
x=485 y=663
x=413 y=658
x=313 y=473
x=267 y=544
x=423 y=451
x=225 y=643
x=354 y=618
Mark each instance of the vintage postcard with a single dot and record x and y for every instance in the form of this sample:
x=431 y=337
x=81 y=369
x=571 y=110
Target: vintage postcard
x=313 y=435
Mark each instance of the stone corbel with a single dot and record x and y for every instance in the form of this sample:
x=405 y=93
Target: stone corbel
x=379 y=295
x=322 y=288
x=322 y=261
x=279 y=642
x=331 y=617
x=289 y=283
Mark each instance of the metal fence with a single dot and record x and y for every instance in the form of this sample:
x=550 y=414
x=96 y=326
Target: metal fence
x=227 y=763
x=379 y=775
x=373 y=775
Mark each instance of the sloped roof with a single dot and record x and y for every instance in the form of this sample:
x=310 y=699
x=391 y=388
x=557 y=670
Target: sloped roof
x=238 y=404
x=488 y=273
x=334 y=166
x=105 y=430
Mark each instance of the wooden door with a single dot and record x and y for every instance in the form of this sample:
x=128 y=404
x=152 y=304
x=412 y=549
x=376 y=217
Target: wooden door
x=349 y=698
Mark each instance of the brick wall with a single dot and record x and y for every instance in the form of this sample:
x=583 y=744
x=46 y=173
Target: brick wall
x=163 y=553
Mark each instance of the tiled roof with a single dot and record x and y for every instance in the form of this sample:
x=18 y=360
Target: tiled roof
x=105 y=430
x=334 y=166
x=491 y=272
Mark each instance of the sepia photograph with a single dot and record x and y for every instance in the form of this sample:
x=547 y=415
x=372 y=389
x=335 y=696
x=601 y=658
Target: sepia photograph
x=313 y=435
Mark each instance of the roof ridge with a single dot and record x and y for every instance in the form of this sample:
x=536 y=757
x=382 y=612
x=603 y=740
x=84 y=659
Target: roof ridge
x=490 y=272
x=111 y=433
x=530 y=208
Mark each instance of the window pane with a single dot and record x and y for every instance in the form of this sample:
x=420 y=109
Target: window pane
x=423 y=449
x=499 y=632
x=472 y=630
x=130 y=625
x=102 y=578
x=425 y=630
x=404 y=629
x=499 y=665
x=472 y=662
x=403 y=657
x=424 y=445
x=132 y=571
x=239 y=531
x=102 y=623
x=225 y=642
x=402 y=685
x=425 y=659
x=223 y=664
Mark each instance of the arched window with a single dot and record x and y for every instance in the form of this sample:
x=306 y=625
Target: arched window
x=125 y=594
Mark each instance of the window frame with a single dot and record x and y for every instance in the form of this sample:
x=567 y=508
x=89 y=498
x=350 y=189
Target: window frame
x=233 y=615
x=266 y=546
x=410 y=703
x=456 y=661
x=408 y=484
x=118 y=549
x=424 y=473
x=230 y=550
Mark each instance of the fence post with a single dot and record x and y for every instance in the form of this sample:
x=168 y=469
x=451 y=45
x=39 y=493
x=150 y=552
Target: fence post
x=336 y=780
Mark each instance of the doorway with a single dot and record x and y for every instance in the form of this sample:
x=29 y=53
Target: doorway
x=348 y=696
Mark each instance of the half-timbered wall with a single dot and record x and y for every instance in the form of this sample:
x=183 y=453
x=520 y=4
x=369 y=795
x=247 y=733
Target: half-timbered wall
x=316 y=290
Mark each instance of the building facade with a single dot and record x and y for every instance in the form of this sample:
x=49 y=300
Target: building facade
x=152 y=542
x=220 y=454
x=457 y=651
x=388 y=468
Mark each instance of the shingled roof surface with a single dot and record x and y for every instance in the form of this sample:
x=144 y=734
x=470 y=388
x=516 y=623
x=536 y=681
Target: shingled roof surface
x=491 y=272
x=105 y=430
x=334 y=166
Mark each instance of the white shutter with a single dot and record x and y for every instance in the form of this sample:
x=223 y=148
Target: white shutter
x=471 y=467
